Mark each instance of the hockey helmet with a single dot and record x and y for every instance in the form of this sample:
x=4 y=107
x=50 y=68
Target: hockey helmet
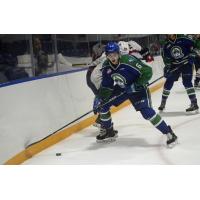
x=111 y=47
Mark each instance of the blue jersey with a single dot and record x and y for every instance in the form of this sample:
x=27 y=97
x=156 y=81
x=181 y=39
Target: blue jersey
x=129 y=70
x=178 y=51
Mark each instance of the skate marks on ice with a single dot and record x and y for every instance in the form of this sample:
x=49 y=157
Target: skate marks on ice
x=182 y=91
x=175 y=114
x=124 y=142
x=94 y=131
x=188 y=121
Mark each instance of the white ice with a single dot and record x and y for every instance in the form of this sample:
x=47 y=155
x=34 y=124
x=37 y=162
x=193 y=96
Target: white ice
x=138 y=142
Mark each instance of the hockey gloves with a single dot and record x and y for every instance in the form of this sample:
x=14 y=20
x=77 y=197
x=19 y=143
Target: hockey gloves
x=146 y=55
x=97 y=104
x=133 y=88
x=167 y=70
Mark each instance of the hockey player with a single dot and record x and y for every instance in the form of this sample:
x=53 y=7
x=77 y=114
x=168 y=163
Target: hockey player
x=142 y=53
x=98 y=56
x=94 y=73
x=132 y=75
x=197 y=61
x=177 y=59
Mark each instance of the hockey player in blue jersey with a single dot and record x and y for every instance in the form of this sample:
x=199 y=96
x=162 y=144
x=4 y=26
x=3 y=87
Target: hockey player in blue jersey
x=177 y=59
x=132 y=76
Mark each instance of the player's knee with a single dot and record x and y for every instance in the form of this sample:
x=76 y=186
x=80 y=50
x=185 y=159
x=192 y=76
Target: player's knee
x=147 y=112
x=169 y=84
x=187 y=82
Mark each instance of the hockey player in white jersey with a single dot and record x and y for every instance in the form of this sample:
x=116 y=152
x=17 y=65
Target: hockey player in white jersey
x=139 y=52
x=134 y=49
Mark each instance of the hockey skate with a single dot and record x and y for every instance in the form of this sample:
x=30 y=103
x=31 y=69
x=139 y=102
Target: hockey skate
x=107 y=135
x=97 y=123
x=162 y=106
x=194 y=108
x=172 y=139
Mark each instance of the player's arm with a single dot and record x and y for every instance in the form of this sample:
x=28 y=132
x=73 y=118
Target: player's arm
x=196 y=49
x=144 y=52
x=166 y=57
x=146 y=74
x=167 y=62
x=141 y=73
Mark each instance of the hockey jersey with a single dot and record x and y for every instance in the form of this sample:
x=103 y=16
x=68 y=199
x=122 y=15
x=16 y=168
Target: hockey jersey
x=130 y=70
x=178 y=51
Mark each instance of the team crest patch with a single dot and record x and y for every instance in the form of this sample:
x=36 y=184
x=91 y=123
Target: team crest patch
x=176 y=52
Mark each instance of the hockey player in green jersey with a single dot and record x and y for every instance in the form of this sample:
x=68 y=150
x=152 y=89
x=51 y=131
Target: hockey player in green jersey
x=178 y=61
x=132 y=76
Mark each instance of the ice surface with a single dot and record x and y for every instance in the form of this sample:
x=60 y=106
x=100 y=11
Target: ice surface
x=138 y=142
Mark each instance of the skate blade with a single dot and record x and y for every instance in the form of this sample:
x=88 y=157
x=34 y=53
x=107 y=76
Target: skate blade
x=192 y=112
x=106 y=141
x=172 y=145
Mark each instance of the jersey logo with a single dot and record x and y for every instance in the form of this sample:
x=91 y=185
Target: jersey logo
x=176 y=52
x=119 y=80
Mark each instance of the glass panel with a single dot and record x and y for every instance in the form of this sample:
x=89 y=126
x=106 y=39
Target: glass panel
x=44 y=59
x=73 y=51
x=15 y=60
x=24 y=56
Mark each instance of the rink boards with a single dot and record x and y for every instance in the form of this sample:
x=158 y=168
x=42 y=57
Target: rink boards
x=34 y=109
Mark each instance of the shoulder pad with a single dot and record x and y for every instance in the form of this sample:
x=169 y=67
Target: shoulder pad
x=185 y=38
x=128 y=59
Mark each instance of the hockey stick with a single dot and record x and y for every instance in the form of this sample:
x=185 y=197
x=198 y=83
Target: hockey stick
x=112 y=99
x=163 y=75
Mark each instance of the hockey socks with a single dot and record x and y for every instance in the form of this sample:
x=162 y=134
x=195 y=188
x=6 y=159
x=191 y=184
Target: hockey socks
x=191 y=94
x=165 y=94
x=105 y=117
x=155 y=119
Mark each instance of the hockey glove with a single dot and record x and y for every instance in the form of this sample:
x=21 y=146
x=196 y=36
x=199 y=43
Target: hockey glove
x=97 y=104
x=167 y=71
x=133 y=88
x=130 y=89
x=146 y=55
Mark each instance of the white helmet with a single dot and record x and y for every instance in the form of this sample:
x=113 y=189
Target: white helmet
x=134 y=46
x=123 y=47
